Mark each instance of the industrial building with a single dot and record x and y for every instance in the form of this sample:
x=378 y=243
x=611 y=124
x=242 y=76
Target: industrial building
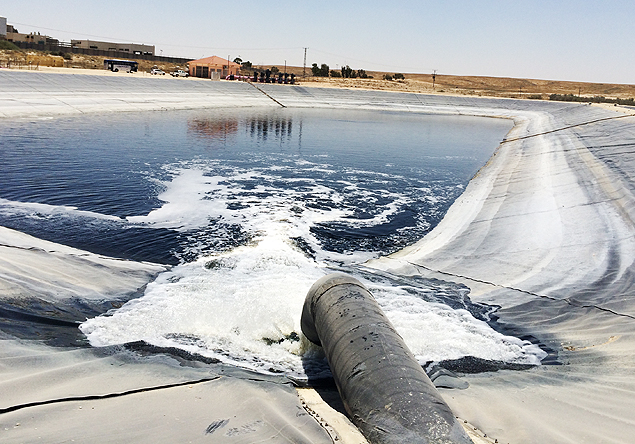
x=128 y=48
x=11 y=34
x=213 y=67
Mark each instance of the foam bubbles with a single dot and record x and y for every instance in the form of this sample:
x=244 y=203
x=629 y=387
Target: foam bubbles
x=436 y=332
x=38 y=210
x=242 y=305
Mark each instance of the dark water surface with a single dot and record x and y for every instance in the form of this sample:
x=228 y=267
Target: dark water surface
x=251 y=206
x=113 y=165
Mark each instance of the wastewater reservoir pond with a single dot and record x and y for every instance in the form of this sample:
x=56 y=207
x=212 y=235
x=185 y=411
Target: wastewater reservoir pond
x=250 y=207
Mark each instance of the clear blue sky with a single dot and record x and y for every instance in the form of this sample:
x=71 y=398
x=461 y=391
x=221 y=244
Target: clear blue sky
x=550 y=39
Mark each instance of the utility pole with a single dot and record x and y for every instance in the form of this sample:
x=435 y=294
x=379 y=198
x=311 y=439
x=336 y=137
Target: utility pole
x=304 y=70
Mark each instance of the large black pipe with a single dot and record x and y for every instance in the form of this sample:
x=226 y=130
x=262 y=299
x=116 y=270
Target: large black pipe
x=384 y=389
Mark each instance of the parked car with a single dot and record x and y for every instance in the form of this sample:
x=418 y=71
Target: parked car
x=179 y=73
x=157 y=71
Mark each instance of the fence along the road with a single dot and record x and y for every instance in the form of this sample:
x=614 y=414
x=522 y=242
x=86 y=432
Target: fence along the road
x=66 y=47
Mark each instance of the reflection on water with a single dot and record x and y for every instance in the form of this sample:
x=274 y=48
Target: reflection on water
x=261 y=128
x=278 y=127
x=212 y=128
x=249 y=220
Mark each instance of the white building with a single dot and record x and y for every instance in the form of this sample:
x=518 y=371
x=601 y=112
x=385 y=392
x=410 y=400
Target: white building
x=130 y=48
x=3 y=26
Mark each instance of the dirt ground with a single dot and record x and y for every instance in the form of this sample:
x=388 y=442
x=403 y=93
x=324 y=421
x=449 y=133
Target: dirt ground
x=483 y=86
x=471 y=85
x=418 y=83
x=21 y=59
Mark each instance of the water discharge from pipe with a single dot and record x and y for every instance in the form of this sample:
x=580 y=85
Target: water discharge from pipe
x=384 y=389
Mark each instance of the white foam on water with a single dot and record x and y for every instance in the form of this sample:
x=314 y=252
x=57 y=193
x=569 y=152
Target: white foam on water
x=184 y=209
x=243 y=306
x=39 y=211
x=240 y=306
x=436 y=332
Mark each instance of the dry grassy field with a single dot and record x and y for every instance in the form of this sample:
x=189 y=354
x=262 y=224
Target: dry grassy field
x=419 y=83
x=471 y=85
x=34 y=59
x=479 y=86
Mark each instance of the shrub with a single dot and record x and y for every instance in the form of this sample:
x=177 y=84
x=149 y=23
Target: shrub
x=336 y=73
x=387 y=77
x=596 y=99
x=322 y=71
x=8 y=46
x=349 y=73
x=399 y=76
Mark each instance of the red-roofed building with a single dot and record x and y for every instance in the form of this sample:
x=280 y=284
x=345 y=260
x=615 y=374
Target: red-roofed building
x=206 y=67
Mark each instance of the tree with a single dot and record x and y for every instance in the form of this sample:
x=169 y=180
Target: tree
x=399 y=76
x=274 y=69
x=347 y=72
x=322 y=71
x=238 y=60
x=336 y=73
x=387 y=77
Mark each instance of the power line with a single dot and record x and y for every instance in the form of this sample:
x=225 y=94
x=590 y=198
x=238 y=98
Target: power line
x=159 y=43
x=223 y=49
x=67 y=32
x=404 y=68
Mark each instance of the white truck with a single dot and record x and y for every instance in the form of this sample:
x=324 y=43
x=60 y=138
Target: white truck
x=179 y=73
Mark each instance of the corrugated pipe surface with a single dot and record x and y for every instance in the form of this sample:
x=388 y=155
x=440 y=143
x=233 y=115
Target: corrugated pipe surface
x=384 y=389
